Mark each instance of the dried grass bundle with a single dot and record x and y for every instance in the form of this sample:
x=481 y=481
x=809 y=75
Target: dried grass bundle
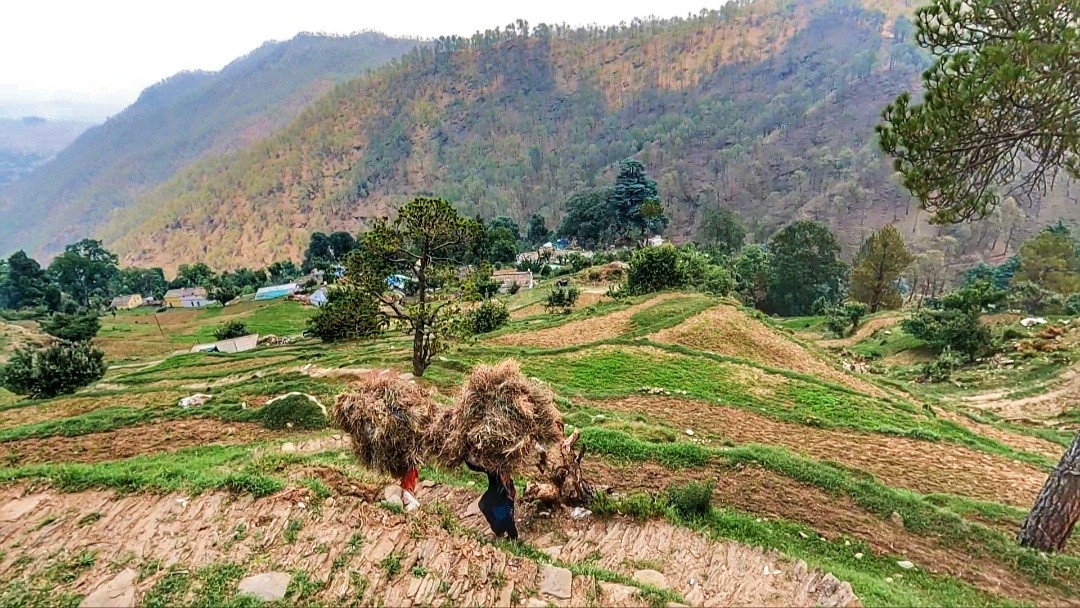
x=387 y=419
x=496 y=420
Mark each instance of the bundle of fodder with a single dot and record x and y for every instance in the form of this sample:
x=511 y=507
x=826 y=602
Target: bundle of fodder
x=497 y=420
x=387 y=419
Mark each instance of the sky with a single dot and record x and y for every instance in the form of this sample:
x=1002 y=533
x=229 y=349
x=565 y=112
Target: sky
x=93 y=57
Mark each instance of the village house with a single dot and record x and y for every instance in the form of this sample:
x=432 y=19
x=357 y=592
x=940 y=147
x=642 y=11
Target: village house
x=509 y=277
x=276 y=291
x=186 y=297
x=126 y=302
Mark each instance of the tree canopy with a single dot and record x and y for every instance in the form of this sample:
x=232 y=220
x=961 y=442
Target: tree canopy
x=802 y=268
x=84 y=270
x=426 y=242
x=877 y=268
x=1001 y=109
x=721 y=231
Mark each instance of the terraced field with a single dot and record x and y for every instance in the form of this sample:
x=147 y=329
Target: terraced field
x=831 y=488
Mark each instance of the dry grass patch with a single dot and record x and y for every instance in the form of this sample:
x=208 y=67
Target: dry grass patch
x=724 y=330
x=585 y=330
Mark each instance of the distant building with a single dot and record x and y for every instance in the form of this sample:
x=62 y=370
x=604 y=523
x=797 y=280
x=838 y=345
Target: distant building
x=236 y=345
x=319 y=298
x=174 y=298
x=655 y=241
x=127 y=302
x=507 y=278
x=276 y=291
x=398 y=281
x=196 y=302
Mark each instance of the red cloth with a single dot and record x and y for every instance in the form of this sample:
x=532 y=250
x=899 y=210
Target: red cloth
x=408 y=482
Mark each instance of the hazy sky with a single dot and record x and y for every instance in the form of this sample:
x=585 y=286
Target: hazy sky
x=106 y=51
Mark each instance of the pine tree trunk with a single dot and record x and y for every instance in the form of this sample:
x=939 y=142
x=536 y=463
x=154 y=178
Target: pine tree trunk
x=1057 y=508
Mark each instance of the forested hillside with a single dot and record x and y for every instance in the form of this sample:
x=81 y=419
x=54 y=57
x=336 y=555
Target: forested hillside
x=186 y=117
x=28 y=142
x=766 y=106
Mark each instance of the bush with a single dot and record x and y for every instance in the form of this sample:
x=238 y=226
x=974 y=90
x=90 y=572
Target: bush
x=942 y=368
x=654 y=269
x=230 y=330
x=514 y=288
x=224 y=294
x=293 y=412
x=1072 y=304
x=562 y=297
x=348 y=314
x=840 y=319
x=73 y=328
x=958 y=330
x=57 y=369
x=718 y=282
x=489 y=316
x=691 y=501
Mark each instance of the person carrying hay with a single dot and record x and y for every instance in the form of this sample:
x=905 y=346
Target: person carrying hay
x=496 y=425
x=387 y=419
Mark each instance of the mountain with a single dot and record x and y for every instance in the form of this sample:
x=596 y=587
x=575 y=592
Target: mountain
x=30 y=141
x=189 y=116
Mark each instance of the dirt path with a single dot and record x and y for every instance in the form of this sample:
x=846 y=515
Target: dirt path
x=767 y=494
x=726 y=331
x=1062 y=396
x=919 y=465
x=434 y=566
x=132 y=441
x=585 y=330
x=864 y=331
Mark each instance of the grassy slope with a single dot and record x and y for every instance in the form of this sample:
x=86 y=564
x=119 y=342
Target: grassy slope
x=618 y=368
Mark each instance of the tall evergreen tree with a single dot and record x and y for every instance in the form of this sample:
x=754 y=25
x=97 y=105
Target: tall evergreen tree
x=635 y=202
x=880 y=261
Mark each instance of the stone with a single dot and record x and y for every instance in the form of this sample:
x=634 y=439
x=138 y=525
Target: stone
x=616 y=594
x=675 y=605
x=533 y=602
x=427 y=483
x=858 y=556
x=651 y=577
x=288 y=447
x=905 y=564
x=474 y=509
x=556 y=582
x=330 y=502
x=267 y=587
x=19 y=507
x=553 y=552
x=896 y=519
x=118 y=592
x=392 y=495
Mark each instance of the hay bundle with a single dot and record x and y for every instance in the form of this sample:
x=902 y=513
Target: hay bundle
x=497 y=419
x=387 y=419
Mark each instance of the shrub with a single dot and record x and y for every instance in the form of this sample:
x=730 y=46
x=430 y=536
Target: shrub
x=942 y=368
x=73 y=328
x=1072 y=304
x=717 y=282
x=654 y=269
x=230 y=330
x=349 y=314
x=616 y=291
x=294 y=412
x=56 y=369
x=562 y=297
x=691 y=501
x=514 y=288
x=488 y=316
x=224 y=293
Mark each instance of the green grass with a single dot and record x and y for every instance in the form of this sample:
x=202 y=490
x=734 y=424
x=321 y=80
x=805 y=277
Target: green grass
x=714 y=380
x=192 y=470
x=927 y=516
x=669 y=314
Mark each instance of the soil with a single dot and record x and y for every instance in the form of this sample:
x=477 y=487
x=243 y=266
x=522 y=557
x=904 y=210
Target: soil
x=132 y=441
x=1038 y=408
x=436 y=566
x=583 y=331
x=769 y=495
x=926 y=467
x=1016 y=441
x=726 y=331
